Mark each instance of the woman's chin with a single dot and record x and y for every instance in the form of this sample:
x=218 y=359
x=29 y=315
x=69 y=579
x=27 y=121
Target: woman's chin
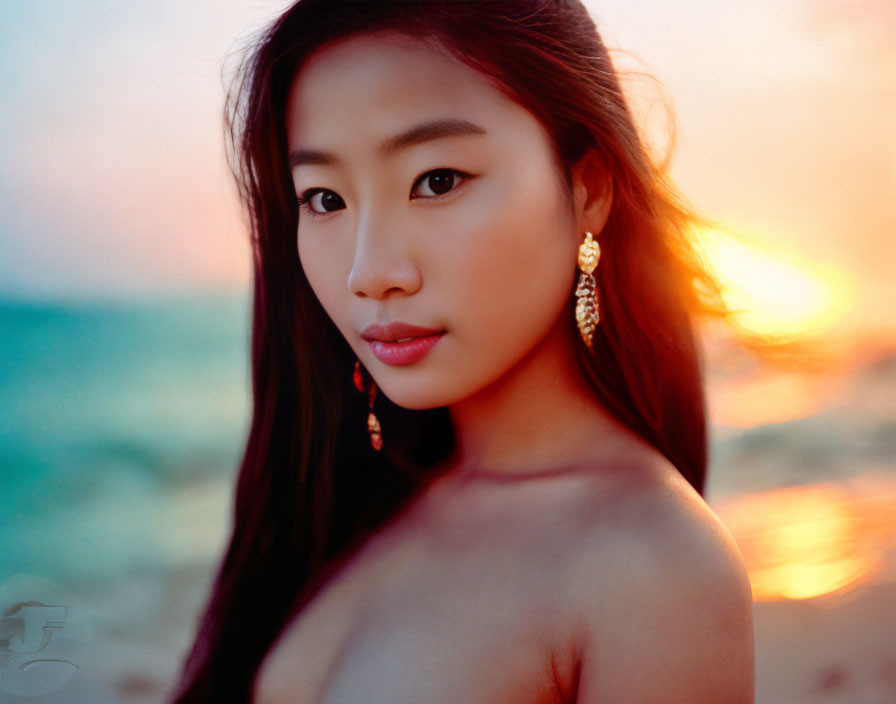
x=422 y=400
x=423 y=393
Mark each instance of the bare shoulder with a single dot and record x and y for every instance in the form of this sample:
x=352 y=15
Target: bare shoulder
x=661 y=596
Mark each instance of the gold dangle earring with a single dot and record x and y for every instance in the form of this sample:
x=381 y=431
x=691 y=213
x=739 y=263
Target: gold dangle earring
x=587 y=314
x=373 y=424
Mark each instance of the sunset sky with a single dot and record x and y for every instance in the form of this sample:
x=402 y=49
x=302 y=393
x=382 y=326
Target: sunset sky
x=114 y=184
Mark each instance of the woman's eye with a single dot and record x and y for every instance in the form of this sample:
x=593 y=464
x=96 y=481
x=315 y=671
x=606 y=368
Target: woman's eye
x=320 y=201
x=436 y=182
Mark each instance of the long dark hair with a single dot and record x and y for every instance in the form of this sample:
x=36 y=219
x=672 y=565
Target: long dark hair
x=310 y=488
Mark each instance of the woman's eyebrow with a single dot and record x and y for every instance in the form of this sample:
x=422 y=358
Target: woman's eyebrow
x=427 y=131
x=424 y=132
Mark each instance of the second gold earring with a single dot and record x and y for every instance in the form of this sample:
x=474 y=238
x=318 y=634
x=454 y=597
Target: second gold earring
x=373 y=423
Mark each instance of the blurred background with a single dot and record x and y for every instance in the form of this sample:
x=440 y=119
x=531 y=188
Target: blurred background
x=124 y=273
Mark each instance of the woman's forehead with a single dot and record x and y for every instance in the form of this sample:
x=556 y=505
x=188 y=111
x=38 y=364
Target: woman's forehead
x=384 y=83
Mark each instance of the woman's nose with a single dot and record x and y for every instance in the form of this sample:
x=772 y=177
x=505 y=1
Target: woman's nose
x=383 y=264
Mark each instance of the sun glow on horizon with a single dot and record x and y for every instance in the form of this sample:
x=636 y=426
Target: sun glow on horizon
x=774 y=294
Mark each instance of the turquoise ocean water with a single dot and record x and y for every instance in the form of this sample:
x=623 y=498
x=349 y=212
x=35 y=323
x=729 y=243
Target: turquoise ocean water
x=119 y=424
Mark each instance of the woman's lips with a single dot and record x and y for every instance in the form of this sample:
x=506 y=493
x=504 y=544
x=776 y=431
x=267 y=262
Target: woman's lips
x=406 y=352
x=398 y=342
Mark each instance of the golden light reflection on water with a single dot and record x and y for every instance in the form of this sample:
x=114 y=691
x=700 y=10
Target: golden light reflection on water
x=774 y=294
x=805 y=541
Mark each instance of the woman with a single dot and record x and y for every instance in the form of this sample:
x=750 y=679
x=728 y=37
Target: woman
x=470 y=476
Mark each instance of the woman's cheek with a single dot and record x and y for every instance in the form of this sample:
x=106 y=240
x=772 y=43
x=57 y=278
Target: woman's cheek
x=321 y=264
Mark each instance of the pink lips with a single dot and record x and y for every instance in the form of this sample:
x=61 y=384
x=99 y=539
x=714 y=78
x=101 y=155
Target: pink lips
x=399 y=343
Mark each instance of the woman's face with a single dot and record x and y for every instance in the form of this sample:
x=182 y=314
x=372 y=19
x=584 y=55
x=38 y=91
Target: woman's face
x=428 y=198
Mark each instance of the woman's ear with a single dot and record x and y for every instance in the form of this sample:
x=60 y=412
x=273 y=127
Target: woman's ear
x=592 y=189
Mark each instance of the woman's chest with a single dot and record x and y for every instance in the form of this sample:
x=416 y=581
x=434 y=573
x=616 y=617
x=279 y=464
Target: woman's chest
x=410 y=625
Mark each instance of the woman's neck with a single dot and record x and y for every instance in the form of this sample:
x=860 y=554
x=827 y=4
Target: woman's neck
x=539 y=417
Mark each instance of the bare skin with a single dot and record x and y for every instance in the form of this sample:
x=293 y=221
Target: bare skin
x=526 y=590
x=559 y=558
